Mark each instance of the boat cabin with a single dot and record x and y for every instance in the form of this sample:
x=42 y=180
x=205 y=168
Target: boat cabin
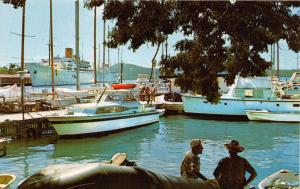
x=256 y=88
x=111 y=101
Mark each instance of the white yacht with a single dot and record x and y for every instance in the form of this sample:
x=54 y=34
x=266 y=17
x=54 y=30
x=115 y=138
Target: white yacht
x=244 y=94
x=113 y=110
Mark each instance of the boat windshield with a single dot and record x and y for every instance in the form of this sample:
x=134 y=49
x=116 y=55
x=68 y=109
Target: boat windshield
x=117 y=97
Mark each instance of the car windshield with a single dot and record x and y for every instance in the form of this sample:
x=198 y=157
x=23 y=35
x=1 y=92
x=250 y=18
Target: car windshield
x=114 y=97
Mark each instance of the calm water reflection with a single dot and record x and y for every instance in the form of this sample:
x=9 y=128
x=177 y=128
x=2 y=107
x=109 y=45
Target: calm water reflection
x=161 y=147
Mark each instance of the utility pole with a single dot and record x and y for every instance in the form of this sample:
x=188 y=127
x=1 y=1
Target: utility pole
x=278 y=60
x=77 y=43
x=95 y=53
x=22 y=58
x=51 y=49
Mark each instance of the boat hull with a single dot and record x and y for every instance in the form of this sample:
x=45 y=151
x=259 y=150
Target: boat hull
x=99 y=175
x=6 y=180
x=41 y=75
x=284 y=176
x=90 y=125
x=235 y=108
x=254 y=115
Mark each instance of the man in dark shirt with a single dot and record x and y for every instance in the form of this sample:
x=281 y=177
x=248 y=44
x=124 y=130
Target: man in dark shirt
x=231 y=170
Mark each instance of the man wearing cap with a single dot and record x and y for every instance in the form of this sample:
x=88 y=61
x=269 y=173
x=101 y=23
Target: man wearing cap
x=231 y=170
x=190 y=166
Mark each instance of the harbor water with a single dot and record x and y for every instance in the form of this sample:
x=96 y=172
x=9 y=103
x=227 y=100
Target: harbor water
x=161 y=147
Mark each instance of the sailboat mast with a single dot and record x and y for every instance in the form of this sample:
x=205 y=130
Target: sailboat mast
x=122 y=66
x=22 y=58
x=51 y=49
x=99 y=60
x=95 y=52
x=108 y=35
x=119 y=63
x=278 y=60
x=271 y=60
x=77 y=42
x=166 y=47
x=104 y=43
x=297 y=60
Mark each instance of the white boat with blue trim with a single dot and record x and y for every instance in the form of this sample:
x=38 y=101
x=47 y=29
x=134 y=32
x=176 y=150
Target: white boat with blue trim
x=244 y=94
x=112 y=111
x=265 y=115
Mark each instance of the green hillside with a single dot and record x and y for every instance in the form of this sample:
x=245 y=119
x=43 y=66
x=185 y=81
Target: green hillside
x=287 y=73
x=131 y=71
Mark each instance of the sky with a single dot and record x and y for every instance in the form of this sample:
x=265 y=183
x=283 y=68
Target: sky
x=37 y=25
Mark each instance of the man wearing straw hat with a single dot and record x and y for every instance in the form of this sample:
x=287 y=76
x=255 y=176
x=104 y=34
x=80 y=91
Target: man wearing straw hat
x=190 y=166
x=231 y=170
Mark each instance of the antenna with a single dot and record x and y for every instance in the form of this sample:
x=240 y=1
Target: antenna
x=21 y=35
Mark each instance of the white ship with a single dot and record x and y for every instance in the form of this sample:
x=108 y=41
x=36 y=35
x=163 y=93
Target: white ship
x=245 y=94
x=65 y=72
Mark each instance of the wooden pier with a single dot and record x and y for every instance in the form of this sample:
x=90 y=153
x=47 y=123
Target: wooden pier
x=34 y=125
x=11 y=79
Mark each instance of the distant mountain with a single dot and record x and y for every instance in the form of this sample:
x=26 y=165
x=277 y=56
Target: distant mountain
x=286 y=73
x=131 y=71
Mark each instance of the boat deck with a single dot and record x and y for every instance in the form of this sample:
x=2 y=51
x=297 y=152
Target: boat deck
x=27 y=115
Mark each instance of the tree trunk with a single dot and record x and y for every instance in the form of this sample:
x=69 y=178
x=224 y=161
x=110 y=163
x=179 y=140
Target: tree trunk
x=153 y=61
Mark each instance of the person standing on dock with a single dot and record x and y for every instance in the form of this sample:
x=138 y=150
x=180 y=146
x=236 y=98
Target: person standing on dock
x=147 y=91
x=231 y=170
x=190 y=166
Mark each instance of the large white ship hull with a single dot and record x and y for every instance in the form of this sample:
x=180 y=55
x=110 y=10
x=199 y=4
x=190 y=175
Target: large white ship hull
x=235 y=107
x=41 y=75
x=88 y=125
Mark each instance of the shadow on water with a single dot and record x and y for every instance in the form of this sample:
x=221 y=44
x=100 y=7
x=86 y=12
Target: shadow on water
x=160 y=147
x=102 y=148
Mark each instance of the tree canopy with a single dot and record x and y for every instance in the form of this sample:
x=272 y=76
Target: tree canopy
x=217 y=36
x=15 y=3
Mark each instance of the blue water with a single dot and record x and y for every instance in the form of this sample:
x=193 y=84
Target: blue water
x=160 y=147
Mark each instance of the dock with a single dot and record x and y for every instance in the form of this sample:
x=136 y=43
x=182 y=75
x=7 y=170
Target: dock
x=35 y=124
x=171 y=107
x=11 y=79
